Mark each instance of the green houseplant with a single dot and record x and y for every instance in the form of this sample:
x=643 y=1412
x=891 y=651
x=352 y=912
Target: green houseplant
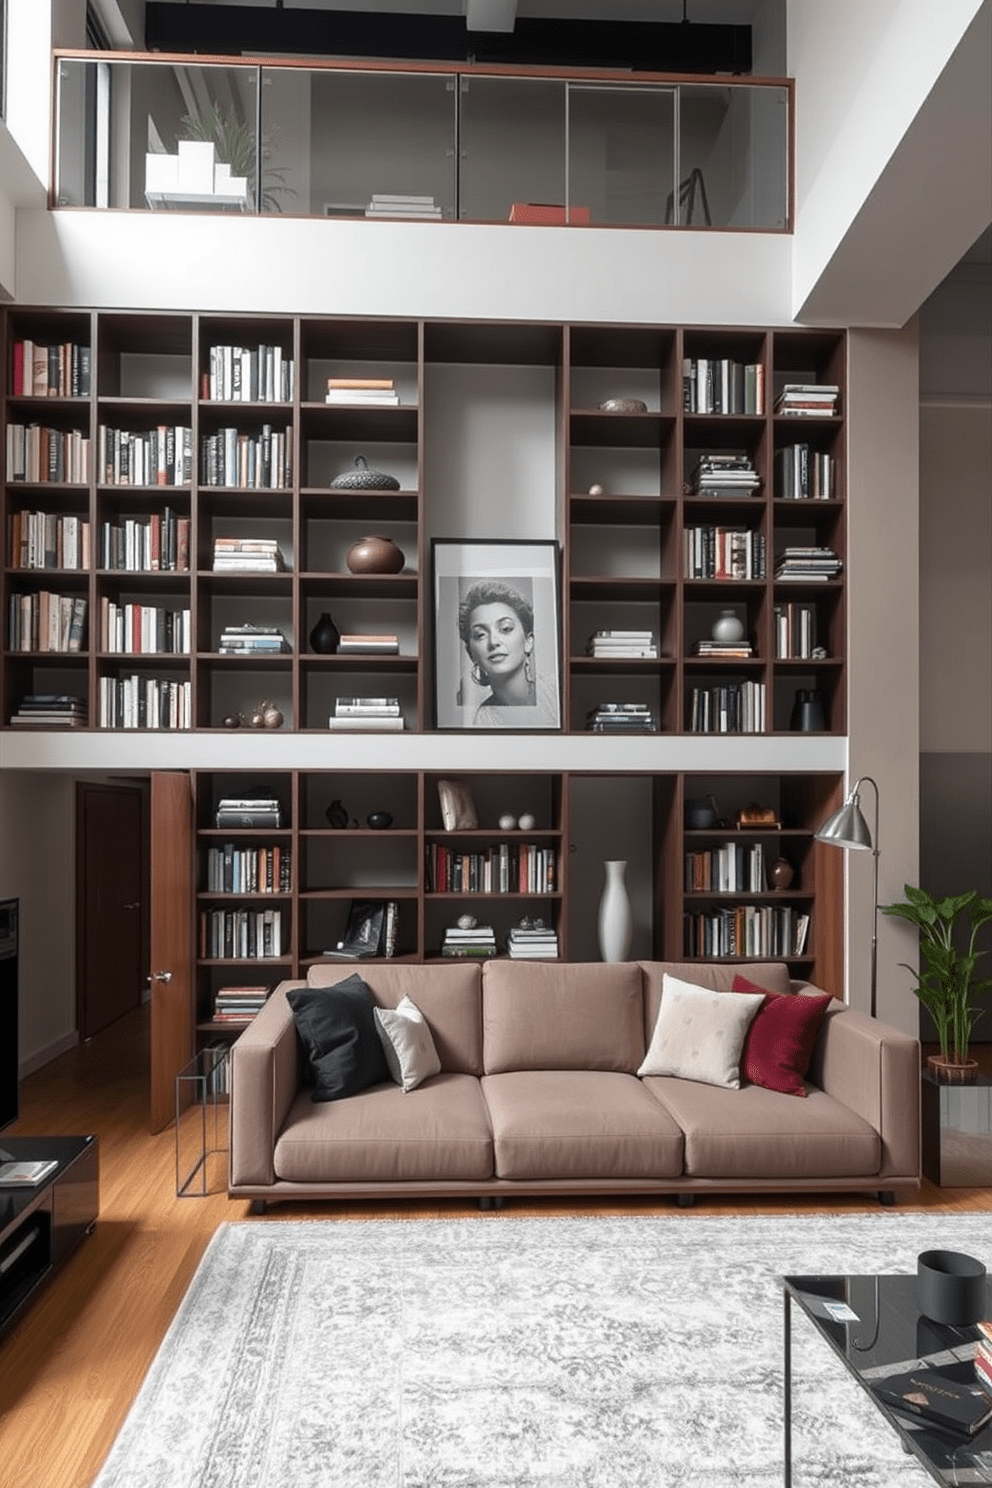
x=235 y=144
x=946 y=983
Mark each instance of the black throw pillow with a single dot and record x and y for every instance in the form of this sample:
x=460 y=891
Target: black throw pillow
x=337 y=1026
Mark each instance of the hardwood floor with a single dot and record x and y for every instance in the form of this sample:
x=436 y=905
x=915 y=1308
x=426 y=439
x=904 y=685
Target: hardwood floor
x=70 y=1369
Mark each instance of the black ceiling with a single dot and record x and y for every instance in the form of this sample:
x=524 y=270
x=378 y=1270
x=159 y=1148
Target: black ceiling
x=246 y=30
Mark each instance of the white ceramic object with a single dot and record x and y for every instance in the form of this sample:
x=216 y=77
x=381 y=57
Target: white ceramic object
x=507 y=823
x=615 y=918
x=526 y=822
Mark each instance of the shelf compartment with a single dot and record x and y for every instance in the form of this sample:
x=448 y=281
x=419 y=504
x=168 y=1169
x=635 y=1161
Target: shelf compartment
x=326 y=543
x=329 y=448
x=320 y=686
x=360 y=793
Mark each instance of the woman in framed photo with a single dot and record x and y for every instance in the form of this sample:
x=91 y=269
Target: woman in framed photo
x=496 y=626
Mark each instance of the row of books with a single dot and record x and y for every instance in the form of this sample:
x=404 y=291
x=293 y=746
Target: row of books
x=400 y=204
x=248 y=811
x=46 y=622
x=503 y=868
x=154 y=544
x=728 y=869
x=217 y=1081
x=724 y=553
x=722 y=385
x=248 y=374
x=240 y=934
x=727 y=708
x=247 y=555
x=252 y=462
x=235 y=869
x=808 y=563
x=240 y=1004
x=804 y=474
x=731 y=473
x=39 y=454
x=143 y=629
x=623 y=643
x=747 y=930
x=368 y=391
x=51 y=710
x=621 y=718
x=37 y=539
x=162 y=456
x=795 y=631
x=136 y=702
x=808 y=399
x=359 y=714
x=252 y=640
x=62 y=370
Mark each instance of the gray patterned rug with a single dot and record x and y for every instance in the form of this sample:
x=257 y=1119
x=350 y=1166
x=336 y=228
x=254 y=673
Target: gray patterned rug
x=507 y=1352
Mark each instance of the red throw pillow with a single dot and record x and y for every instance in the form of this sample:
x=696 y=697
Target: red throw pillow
x=779 y=1043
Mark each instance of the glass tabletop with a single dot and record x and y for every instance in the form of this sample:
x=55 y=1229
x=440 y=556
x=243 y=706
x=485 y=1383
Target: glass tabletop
x=875 y=1325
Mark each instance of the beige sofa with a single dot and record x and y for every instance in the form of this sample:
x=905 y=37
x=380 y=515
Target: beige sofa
x=538 y=1094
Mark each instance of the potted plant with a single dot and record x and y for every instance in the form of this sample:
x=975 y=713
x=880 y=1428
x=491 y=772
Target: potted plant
x=235 y=145
x=946 y=984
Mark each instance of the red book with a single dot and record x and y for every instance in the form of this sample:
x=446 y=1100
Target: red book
x=18 y=368
x=547 y=213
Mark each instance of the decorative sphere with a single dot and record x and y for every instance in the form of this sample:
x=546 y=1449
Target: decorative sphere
x=507 y=823
x=232 y=720
x=595 y=489
x=379 y=820
x=729 y=628
x=526 y=822
x=272 y=717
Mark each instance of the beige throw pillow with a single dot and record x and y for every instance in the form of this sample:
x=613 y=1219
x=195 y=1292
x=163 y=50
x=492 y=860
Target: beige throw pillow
x=699 y=1034
x=407 y=1044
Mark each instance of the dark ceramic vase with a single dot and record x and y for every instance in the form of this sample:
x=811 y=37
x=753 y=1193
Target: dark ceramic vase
x=807 y=714
x=781 y=873
x=325 y=636
x=336 y=815
x=375 y=555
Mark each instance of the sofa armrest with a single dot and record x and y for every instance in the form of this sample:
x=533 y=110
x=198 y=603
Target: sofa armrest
x=874 y=1070
x=265 y=1077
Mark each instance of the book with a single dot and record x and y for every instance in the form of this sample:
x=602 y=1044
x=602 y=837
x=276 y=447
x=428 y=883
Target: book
x=13 y=1174
x=364 y=934
x=937 y=1396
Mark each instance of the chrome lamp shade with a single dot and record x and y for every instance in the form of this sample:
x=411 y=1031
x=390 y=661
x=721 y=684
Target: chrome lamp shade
x=848 y=829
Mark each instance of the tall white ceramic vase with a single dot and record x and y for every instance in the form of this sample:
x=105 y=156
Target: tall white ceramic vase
x=615 y=919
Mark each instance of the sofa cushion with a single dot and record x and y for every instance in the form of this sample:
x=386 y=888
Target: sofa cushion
x=545 y=1016
x=382 y=1136
x=450 y=998
x=338 y=1030
x=779 y=1042
x=407 y=1044
x=575 y=1124
x=699 y=1034
x=772 y=975
x=758 y=1133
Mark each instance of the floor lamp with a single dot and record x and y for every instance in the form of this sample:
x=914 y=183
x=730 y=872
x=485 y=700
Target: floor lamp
x=847 y=828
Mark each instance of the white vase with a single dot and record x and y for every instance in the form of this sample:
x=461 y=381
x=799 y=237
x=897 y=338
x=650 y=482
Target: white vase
x=728 y=628
x=615 y=920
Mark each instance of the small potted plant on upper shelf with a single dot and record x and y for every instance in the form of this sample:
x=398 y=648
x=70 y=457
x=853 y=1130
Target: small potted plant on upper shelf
x=946 y=985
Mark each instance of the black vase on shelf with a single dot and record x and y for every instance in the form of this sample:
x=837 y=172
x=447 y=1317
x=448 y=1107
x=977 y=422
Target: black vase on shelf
x=807 y=713
x=325 y=636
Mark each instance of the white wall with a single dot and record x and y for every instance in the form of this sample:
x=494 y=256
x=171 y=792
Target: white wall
x=37 y=827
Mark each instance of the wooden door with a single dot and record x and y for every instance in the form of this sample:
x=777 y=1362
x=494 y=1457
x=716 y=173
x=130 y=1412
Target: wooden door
x=111 y=904
x=171 y=948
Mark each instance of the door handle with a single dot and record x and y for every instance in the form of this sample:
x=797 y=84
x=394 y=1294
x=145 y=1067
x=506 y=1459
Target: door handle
x=160 y=976
x=135 y=905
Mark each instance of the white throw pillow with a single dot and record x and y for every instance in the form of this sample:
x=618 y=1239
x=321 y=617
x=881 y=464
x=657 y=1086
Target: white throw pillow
x=407 y=1044
x=699 y=1034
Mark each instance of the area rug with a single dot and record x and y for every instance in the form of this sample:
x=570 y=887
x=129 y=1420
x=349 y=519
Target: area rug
x=506 y=1352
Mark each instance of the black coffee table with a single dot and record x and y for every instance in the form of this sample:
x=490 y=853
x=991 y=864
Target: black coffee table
x=888 y=1334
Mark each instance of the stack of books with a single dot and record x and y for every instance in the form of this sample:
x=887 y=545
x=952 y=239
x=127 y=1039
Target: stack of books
x=532 y=943
x=477 y=942
x=51 y=710
x=808 y=563
x=248 y=811
x=724 y=650
x=247 y=555
x=239 y=1004
x=386 y=204
x=729 y=474
x=621 y=718
x=808 y=399
x=623 y=643
x=376 y=390
x=357 y=714
x=252 y=640
x=369 y=645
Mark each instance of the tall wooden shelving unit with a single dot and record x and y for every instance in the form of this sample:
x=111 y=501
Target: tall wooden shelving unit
x=622 y=567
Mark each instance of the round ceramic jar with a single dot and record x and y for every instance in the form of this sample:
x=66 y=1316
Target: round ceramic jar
x=375 y=555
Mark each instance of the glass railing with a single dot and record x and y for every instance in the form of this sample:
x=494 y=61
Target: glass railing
x=458 y=144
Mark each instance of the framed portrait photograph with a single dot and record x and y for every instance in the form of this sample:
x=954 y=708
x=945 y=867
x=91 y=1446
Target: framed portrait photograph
x=496 y=635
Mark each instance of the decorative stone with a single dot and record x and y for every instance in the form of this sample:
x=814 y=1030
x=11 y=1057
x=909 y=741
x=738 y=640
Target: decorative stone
x=526 y=822
x=595 y=489
x=507 y=823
